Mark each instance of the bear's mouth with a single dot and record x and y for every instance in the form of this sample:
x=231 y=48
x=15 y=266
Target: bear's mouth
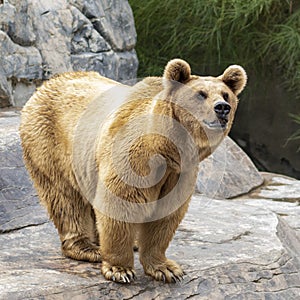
x=216 y=124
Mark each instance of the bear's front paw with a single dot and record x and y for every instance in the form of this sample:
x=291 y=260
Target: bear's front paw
x=117 y=273
x=168 y=271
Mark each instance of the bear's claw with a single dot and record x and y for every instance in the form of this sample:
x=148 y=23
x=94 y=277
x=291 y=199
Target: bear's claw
x=177 y=278
x=169 y=272
x=118 y=274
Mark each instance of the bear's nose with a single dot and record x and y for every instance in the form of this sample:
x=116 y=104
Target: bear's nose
x=222 y=109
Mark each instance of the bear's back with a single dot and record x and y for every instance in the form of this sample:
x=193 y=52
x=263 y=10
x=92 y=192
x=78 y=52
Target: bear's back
x=50 y=116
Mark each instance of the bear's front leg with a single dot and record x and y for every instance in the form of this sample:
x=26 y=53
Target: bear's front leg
x=116 y=244
x=154 y=239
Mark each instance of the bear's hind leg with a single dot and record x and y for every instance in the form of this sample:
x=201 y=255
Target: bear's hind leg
x=72 y=216
x=79 y=236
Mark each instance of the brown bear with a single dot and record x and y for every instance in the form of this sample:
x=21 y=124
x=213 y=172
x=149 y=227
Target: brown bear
x=116 y=164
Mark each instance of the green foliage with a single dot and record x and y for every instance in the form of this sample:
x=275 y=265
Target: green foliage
x=282 y=47
x=211 y=34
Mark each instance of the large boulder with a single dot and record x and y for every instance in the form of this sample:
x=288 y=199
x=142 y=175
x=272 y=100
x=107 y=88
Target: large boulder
x=41 y=38
x=227 y=173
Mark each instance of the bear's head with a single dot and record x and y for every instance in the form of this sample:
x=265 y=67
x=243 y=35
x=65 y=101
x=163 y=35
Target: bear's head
x=204 y=105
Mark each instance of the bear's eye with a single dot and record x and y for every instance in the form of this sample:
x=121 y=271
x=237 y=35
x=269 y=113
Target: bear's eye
x=225 y=96
x=202 y=95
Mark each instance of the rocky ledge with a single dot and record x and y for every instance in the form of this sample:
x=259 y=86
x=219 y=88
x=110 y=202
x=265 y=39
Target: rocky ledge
x=244 y=248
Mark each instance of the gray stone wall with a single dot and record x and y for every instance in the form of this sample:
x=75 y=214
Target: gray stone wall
x=41 y=38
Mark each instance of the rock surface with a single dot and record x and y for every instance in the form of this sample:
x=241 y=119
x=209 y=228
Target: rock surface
x=41 y=38
x=227 y=173
x=246 y=248
x=19 y=205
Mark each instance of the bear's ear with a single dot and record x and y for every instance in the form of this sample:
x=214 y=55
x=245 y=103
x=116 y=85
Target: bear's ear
x=177 y=70
x=235 y=78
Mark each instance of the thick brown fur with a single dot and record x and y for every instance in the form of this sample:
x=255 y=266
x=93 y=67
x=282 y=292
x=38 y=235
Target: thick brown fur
x=47 y=130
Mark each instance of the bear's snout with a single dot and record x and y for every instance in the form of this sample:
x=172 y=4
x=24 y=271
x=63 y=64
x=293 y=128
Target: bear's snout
x=222 y=109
